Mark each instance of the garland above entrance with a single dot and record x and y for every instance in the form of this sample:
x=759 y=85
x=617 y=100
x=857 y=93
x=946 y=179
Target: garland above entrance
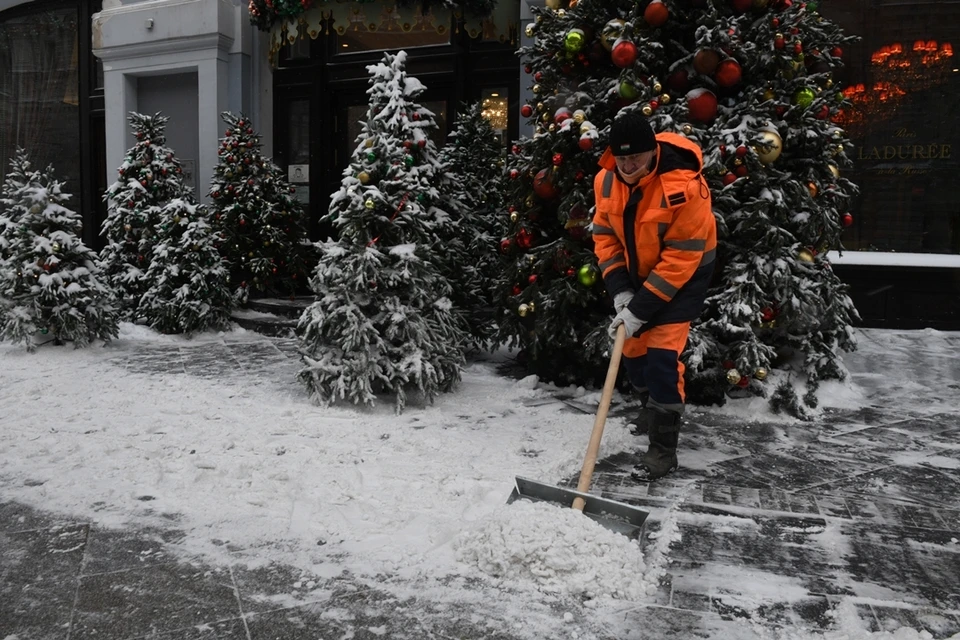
x=265 y=13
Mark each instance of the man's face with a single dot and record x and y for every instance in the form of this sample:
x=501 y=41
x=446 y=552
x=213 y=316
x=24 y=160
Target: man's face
x=636 y=166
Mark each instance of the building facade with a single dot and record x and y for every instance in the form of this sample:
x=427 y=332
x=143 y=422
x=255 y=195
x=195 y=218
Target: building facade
x=71 y=71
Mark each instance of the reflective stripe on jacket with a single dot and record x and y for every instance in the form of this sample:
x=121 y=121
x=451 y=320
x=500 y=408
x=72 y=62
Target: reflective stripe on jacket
x=658 y=237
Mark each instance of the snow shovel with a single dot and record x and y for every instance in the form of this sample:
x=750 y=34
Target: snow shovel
x=616 y=516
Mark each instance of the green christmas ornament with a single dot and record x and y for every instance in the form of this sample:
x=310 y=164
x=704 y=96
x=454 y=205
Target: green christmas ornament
x=371 y=156
x=587 y=275
x=804 y=97
x=408 y=161
x=573 y=41
x=628 y=91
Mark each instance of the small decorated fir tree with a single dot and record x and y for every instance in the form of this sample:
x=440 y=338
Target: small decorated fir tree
x=383 y=321
x=49 y=281
x=149 y=177
x=187 y=283
x=262 y=224
x=472 y=164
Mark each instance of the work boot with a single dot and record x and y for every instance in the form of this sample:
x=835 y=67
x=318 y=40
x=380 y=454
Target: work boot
x=661 y=457
x=638 y=426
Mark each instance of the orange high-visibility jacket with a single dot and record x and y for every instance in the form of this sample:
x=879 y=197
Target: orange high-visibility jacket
x=658 y=237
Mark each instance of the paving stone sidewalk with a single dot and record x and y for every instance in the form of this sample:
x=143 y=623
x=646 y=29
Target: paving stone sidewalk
x=822 y=510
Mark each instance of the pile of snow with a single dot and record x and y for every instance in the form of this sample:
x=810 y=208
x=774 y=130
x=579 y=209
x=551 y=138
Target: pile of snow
x=556 y=550
x=848 y=625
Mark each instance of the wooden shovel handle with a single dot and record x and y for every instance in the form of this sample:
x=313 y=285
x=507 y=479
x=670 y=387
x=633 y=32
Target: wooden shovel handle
x=586 y=472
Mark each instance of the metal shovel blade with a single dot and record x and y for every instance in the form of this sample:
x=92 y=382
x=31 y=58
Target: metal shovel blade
x=616 y=516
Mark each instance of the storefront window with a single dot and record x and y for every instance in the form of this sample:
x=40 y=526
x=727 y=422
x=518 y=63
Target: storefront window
x=298 y=145
x=496 y=104
x=903 y=79
x=39 y=83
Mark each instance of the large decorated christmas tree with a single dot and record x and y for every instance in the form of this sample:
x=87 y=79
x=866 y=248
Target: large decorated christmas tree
x=472 y=163
x=50 y=286
x=751 y=82
x=261 y=223
x=148 y=179
x=383 y=321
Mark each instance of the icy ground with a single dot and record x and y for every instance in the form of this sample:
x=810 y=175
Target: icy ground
x=216 y=438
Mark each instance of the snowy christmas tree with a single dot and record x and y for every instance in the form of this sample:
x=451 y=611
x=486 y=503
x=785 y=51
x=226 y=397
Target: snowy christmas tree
x=187 y=284
x=751 y=83
x=149 y=177
x=472 y=166
x=261 y=223
x=49 y=281
x=383 y=321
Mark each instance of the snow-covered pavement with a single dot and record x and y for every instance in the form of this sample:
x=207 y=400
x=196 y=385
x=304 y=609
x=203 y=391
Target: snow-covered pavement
x=214 y=442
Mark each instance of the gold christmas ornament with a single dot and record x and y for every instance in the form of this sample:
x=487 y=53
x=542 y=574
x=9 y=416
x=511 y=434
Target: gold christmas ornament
x=657 y=87
x=805 y=255
x=760 y=374
x=579 y=116
x=545 y=117
x=552 y=128
x=561 y=13
x=536 y=88
x=533 y=307
x=834 y=170
x=370 y=204
x=687 y=129
x=552 y=4
x=647 y=110
x=772 y=152
x=769 y=94
x=529 y=30
x=363 y=177
x=541 y=106
x=585 y=127
x=665 y=98
x=368 y=142
x=523 y=310
x=514 y=216
x=733 y=376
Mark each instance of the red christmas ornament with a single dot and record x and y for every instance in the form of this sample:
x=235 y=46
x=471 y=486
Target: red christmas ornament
x=408 y=144
x=538 y=76
x=514 y=174
x=505 y=245
x=515 y=149
x=416 y=115
x=728 y=364
x=723 y=150
x=524 y=239
x=729 y=178
x=740 y=171
x=779 y=43
x=741 y=6
x=543 y=185
x=516 y=290
x=836 y=52
x=624 y=53
x=422 y=143
x=557 y=159
x=585 y=143
x=526 y=111
x=775 y=22
x=798 y=48
x=741 y=151
x=250 y=182
x=527 y=68
x=767 y=314
x=578 y=176
x=570 y=272
x=847 y=219
x=823 y=113
x=656 y=13
x=243 y=222
x=227 y=132
x=532 y=279
x=743 y=382
x=727 y=73
x=654 y=105
x=702 y=105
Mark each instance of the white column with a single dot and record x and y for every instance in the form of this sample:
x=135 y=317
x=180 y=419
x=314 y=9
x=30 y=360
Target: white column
x=213 y=87
x=120 y=95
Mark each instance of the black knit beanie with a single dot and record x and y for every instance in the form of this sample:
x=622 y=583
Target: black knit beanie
x=630 y=134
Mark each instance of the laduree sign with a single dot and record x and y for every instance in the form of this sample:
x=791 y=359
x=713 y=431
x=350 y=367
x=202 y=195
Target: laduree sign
x=907 y=154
